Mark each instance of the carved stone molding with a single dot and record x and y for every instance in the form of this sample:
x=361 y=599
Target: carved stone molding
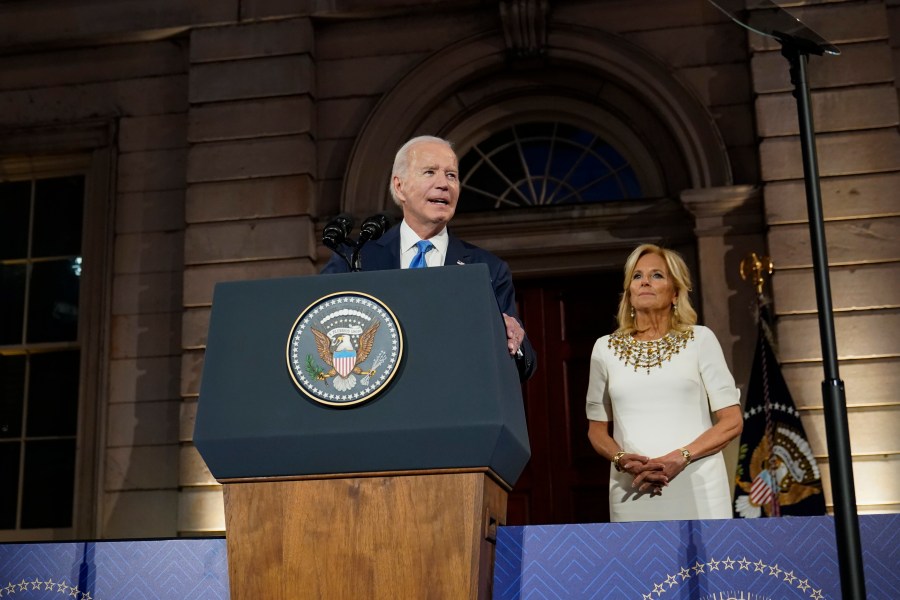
x=525 y=26
x=732 y=209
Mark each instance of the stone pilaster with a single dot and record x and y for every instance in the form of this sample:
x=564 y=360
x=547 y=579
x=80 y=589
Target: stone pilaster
x=251 y=177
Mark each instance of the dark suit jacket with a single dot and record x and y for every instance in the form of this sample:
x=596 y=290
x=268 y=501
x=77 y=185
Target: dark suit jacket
x=384 y=253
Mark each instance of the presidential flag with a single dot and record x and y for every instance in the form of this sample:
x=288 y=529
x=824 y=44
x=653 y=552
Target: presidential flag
x=777 y=474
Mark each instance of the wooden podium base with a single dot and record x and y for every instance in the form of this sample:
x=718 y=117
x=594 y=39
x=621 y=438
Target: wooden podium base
x=425 y=534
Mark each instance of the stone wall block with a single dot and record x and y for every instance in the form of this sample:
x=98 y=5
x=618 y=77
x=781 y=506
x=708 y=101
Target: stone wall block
x=363 y=76
x=858 y=287
x=128 y=19
x=157 y=510
x=141 y=468
x=201 y=510
x=191 y=372
x=265 y=157
x=199 y=281
x=853 y=196
x=736 y=124
x=859 y=64
x=152 y=170
x=867 y=382
x=287 y=115
x=142 y=424
x=143 y=293
x=71 y=103
x=135 y=336
x=73 y=66
x=154 y=132
x=252 y=40
x=194 y=328
x=241 y=240
x=148 y=211
x=192 y=468
x=250 y=199
x=858 y=335
x=188 y=419
x=333 y=158
x=358 y=38
x=145 y=379
x=849 y=153
x=343 y=118
x=847 y=242
x=875 y=430
x=252 y=78
x=653 y=14
x=695 y=45
x=149 y=252
x=882 y=468
x=718 y=85
x=844 y=109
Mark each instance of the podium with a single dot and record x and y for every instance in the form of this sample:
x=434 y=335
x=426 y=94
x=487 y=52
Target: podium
x=395 y=496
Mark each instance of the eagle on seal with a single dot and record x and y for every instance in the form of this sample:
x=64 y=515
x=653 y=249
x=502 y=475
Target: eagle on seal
x=344 y=359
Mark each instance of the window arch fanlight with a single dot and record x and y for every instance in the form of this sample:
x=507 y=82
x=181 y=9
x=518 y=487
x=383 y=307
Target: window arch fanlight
x=541 y=164
x=550 y=151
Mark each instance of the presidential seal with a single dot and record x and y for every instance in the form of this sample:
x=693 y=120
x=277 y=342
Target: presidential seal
x=344 y=349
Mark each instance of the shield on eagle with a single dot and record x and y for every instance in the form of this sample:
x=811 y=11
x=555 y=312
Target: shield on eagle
x=344 y=357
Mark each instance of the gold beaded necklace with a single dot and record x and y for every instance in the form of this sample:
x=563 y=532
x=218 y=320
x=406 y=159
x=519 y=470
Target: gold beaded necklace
x=646 y=355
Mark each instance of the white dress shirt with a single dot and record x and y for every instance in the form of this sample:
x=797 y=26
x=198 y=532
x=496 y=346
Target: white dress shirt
x=433 y=258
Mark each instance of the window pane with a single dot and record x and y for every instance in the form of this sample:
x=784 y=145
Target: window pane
x=58 y=209
x=544 y=163
x=12 y=395
x=53 y=301
x=12 y=303
x=53 y=394
x=48 y=484
x=14 y=201
x=9 y=483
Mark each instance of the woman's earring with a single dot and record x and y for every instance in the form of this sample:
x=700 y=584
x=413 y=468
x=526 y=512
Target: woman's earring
x=632 y=312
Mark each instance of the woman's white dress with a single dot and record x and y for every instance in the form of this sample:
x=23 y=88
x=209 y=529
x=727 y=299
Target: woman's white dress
x=657 y=412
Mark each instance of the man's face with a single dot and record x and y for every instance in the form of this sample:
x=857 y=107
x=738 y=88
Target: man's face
x=429 y=190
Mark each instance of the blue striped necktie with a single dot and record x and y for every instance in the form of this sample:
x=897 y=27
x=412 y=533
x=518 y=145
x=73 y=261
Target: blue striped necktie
x=418 y=261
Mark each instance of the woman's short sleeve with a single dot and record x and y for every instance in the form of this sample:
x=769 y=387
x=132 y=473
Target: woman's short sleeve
x=599 y=406
x=717 y=379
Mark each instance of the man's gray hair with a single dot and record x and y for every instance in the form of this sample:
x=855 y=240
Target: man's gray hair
x=401 y=159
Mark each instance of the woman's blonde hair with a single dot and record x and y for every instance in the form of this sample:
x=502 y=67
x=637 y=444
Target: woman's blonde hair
x=684 y=314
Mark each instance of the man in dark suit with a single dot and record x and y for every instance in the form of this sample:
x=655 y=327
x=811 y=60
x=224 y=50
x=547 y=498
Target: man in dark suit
x=425 y=184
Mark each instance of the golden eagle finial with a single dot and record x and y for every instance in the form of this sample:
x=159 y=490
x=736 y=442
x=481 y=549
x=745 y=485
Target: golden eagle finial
x=756 y=267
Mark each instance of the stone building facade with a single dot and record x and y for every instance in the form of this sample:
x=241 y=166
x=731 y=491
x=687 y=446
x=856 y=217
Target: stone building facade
x=218 y=136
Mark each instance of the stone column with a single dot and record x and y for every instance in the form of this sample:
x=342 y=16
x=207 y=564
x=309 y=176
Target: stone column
x=728 y=224
x=251 y=177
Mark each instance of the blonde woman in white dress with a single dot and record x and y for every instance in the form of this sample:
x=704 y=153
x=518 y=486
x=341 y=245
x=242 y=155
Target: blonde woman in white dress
x=661 y=402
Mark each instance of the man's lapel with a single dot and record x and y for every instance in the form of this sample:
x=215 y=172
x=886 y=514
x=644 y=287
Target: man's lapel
x=389 y=256
x=457 y=254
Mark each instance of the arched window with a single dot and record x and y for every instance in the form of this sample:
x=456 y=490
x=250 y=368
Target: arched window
x=543 y=163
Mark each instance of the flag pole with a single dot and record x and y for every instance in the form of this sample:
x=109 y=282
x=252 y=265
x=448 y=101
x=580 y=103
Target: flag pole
x=755 y=268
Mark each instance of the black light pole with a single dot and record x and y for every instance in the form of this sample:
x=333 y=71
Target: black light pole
x=846 y=520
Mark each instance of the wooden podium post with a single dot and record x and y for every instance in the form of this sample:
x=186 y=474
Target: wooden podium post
x=397 y=497
x=382 y=537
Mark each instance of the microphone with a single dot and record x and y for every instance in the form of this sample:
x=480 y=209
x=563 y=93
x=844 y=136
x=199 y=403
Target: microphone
x=336 y=231
x=373 y=228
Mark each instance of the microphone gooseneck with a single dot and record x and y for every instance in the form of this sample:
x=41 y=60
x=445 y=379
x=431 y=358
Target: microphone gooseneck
x=371 y=229
x=336 y=236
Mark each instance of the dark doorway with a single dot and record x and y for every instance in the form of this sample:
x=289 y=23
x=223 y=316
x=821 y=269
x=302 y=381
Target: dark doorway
x=565 y=481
